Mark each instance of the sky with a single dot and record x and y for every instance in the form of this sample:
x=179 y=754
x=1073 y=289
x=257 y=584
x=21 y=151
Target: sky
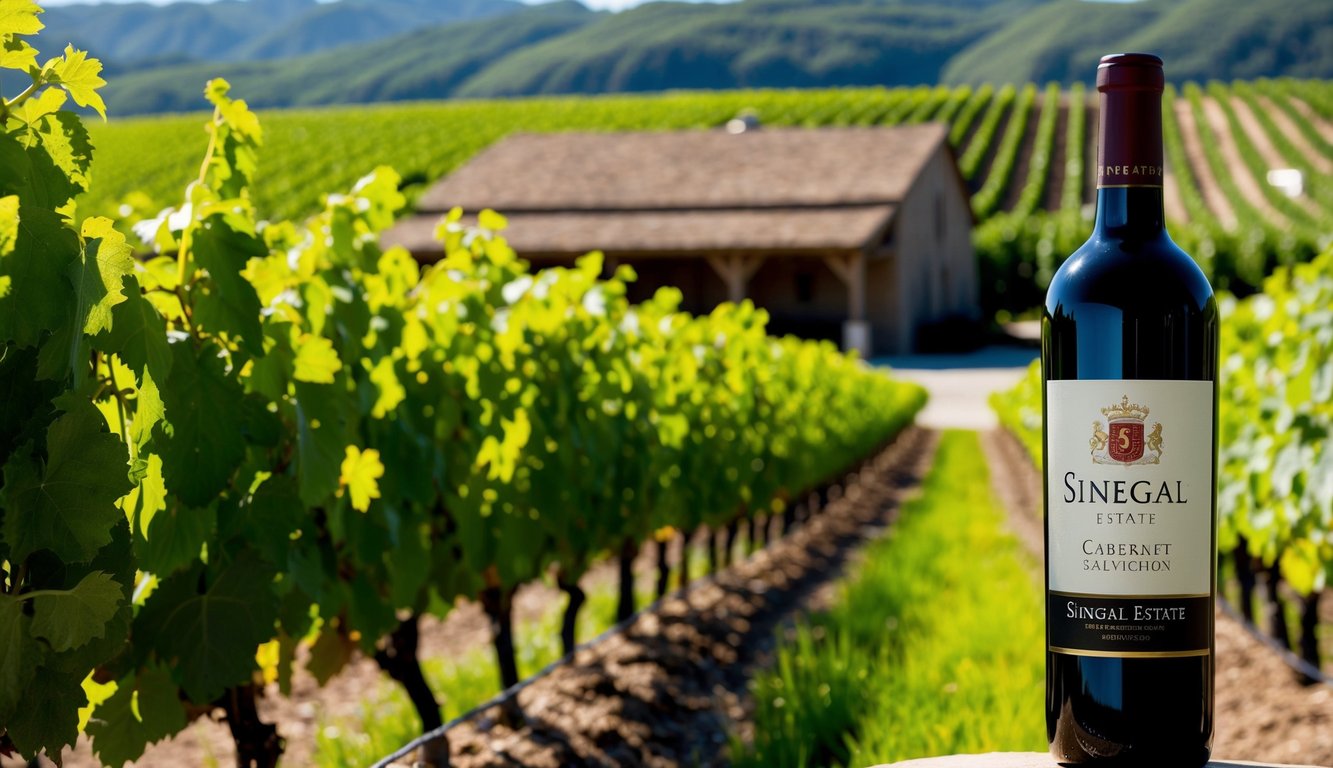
x=614 y=5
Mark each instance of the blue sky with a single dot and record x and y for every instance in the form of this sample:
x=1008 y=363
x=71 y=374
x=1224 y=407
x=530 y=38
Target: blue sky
x=614 y=5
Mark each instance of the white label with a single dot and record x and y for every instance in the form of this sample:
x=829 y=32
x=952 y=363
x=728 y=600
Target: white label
x=1129 y=472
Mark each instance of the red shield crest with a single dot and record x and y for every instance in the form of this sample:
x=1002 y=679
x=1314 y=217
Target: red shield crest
x=1126 y=443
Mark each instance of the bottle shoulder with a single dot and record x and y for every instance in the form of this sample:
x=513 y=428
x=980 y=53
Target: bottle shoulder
x=1130 y=274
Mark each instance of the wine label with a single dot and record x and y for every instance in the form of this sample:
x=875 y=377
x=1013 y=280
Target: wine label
x=1130 y=517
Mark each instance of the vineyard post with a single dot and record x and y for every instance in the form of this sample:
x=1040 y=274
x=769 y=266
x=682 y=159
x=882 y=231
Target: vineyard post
x=399 y=659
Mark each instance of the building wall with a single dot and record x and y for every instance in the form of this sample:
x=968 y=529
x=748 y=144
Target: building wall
x=933 y=254
x=930 y=275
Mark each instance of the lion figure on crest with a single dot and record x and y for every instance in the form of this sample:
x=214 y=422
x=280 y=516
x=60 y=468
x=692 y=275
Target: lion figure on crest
x=1155 y=438
x=1099 y=437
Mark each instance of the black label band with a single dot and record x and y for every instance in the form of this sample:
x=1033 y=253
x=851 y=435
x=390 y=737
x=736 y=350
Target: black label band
x=1129 y=626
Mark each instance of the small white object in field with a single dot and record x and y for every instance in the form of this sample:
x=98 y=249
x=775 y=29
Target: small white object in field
x=1290 y=180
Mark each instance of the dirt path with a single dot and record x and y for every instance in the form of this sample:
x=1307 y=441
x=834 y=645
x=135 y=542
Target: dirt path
x=1055 y=173
x=1289 y=129
x=670 y=689
x=1248 y=186
x=299 y=715
x=988 y=157
x=1324 y=127
x=1172 y=203
x=1263 y=712
x=960 y=385
x=1263 y=144
x=1203 y=173
x=1022 y=167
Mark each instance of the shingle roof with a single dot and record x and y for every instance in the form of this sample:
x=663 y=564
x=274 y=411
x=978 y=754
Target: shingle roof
x=655 y=233
x=686 y=191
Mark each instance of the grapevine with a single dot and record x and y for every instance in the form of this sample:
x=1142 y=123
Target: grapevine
x=271 y=434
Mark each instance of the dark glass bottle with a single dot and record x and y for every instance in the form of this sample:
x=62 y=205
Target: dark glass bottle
x=1131 y=501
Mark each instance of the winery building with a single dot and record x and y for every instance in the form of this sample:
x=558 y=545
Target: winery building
x=860 y=235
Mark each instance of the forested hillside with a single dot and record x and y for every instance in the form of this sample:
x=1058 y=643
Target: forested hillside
x=354 y=51
x=137 y=35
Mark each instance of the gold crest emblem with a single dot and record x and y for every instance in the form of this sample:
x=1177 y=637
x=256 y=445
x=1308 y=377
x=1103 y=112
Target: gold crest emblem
x=1122 y=440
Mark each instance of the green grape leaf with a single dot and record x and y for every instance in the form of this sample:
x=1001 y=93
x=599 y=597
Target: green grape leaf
x=143 y=503
x=79 y=75
x=148 y=411
x=137 y=334
x=360 y=473
x=203 y=446
x=49 y=717
x=17 y=54
x=145 y=708
x=99 y=280
x=39 y=291
x=319 y=442
x=391 y=391
x=30 y=173
x=316 y=362
x=9 y=223
x=267 y=519
x=209 y=639
x=173 y=538
x=20 y=655
x=25 y=400
x=68 y=504
x=227 y=303
x=66 y=141
x=19 y=17
x=47 y=102
x=116 y=559
x=70 y=618
x=330 y=653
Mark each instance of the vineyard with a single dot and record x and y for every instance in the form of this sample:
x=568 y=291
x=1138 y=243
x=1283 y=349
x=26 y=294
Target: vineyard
x=1026 y=153
x=268 y=447
x=265 y=439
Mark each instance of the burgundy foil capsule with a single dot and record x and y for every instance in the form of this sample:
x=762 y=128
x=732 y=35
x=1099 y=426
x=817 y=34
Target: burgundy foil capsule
x=1130 y=89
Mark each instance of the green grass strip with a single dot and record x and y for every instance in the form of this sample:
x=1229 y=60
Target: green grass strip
x=933 y=647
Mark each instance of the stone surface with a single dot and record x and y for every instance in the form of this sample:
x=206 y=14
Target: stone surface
x=1035 y=760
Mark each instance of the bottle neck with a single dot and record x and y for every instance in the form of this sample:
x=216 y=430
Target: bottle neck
x=1130 y=212
x=1129 y=162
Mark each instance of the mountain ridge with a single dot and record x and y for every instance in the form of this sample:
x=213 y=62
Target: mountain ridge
x=496 y=48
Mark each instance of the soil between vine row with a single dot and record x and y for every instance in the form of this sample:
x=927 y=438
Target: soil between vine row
x=688 y=662
x=672 y=687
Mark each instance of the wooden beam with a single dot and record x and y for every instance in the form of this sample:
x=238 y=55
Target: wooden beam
x=735 y=270
x=851 y=269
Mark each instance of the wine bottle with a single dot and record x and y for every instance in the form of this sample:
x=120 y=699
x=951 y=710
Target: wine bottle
x=1129 y=364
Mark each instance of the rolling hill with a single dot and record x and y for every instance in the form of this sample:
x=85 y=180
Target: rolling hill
x=136 y=35
x=564 y=48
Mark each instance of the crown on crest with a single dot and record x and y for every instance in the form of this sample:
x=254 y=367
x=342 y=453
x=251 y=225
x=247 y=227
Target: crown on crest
x=1126 y=410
